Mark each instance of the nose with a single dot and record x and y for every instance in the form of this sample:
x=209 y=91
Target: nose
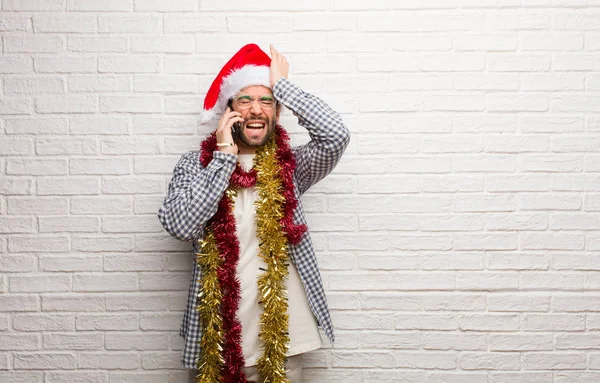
x=256 y=109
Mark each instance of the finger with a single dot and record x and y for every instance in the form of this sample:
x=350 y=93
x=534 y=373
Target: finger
x=232 y=114
x=229 y=123
x=228 y=115
x=225 y=112
x=275 y=54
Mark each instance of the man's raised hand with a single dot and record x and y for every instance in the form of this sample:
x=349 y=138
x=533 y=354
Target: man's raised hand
x=279 y=66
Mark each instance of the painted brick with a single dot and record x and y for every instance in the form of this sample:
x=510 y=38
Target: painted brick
x=72 y=302
x=457 y=236
x=72 y=377
x=68 y=224
x=129 y=23
x=163 y=44
x=16 y=64
x=37 y=125
x=77 y=23
x=100 y=205
x=72 y=262
x=41 y=283
x=129 y=64
x=19 y=342
x=18 y=263
x=143 y=342
x=68 y=186
x=44 y=361
x=34 y=44
x=16 y=225
x=15 y=105
x=102 y=83
x=19 y=302
x=66 y=104
x=108 y=360
x=22 y=376
x=57 y=146
x=135 y=302
x=53 y=244
x=44 y=322
x=72 y=341
x=105 y=282
x=99 y=166
x=131 y=104
x=31 y=85
x=97 y=44
x=102 y=243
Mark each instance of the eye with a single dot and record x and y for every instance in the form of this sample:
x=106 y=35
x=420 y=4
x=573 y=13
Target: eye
x=243 y=101
x=267 y=101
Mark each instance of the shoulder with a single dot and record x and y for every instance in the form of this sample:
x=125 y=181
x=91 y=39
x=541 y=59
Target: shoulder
x=190 y=160
x=191 y=155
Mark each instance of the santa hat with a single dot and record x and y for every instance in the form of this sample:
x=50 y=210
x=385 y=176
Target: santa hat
x=249 y=66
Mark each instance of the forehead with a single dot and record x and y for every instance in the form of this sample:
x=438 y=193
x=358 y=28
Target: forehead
x=256 y=90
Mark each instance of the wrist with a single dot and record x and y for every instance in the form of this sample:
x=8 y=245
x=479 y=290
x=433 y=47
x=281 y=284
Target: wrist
x=274 y=81
x=228 y=150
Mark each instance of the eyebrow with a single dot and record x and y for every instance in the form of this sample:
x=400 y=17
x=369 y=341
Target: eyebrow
x=246 y=97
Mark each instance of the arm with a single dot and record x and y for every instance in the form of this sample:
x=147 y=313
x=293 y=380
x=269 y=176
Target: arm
x=194 y=194
x=329 y=137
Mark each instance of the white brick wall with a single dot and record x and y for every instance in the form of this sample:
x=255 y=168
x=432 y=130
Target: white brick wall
x=458 y=237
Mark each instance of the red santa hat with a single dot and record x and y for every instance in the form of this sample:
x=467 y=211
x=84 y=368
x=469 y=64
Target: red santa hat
x=249 y=66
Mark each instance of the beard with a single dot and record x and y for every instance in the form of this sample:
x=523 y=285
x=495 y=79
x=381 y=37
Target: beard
x=241 y=134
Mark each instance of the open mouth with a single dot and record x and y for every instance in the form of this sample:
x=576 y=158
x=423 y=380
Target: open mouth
x=255 y=125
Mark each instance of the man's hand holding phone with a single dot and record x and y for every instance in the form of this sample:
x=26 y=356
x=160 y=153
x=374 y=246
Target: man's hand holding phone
x=225 y=141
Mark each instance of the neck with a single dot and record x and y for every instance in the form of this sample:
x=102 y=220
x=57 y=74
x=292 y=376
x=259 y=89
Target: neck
x=245 y=149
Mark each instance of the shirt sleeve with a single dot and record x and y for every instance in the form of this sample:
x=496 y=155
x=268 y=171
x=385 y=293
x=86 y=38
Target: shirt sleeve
x=329 y=136
x=194 y=194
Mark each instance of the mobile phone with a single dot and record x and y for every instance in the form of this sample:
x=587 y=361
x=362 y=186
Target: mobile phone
x=236 y=127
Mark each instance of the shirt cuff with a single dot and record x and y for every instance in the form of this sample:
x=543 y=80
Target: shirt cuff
x=224 y=161
x=285 y=91
x=227 y=158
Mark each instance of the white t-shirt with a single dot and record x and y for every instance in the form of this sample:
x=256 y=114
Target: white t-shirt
x=303 y=330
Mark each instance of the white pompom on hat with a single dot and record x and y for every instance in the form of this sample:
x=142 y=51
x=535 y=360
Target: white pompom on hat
x=249 y=66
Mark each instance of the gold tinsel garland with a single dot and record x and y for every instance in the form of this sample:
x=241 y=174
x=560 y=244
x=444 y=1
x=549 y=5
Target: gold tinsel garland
x=273 y=243
x=273 y=246
x=211 y=361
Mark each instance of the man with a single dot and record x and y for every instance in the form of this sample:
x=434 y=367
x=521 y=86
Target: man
x=251 y=312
